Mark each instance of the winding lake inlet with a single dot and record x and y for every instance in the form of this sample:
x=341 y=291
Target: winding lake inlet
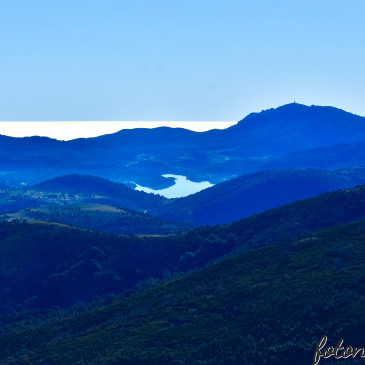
x=182 y=187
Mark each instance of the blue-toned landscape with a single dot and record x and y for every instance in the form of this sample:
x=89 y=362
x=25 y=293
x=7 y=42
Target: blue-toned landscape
x=249 y=270
x=182 y=182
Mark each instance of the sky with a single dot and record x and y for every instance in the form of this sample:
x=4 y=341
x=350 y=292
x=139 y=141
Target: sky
x=177 y=60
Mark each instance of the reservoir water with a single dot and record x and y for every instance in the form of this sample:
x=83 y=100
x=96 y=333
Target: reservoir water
x=182 y=187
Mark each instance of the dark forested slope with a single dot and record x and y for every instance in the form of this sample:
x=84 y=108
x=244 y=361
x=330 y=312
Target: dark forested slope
x=100 y=217
x=266 y=306
x=100 y=189
x=52 y=264
x=254 y=193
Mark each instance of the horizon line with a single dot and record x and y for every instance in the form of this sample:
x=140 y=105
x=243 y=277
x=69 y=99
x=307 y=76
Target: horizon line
x=69 y=130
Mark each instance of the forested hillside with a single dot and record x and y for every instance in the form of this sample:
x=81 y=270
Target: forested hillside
x=48 y=264
x=254 y=193
x=99 y=217
x=230 y=312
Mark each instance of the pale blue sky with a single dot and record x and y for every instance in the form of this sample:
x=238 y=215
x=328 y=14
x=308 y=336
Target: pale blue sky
x=177 y=60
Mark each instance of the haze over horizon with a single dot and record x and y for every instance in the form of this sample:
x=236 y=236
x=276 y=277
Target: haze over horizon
x=69 y=130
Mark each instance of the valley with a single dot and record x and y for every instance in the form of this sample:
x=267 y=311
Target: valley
x=182 y=182
x=95 y=270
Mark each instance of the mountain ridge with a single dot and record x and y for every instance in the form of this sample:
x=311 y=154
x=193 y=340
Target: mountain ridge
x=59 y=265
x=223 y=203
x=254 y=193
x=144 y=155
x=100 y=217
x=226 y=312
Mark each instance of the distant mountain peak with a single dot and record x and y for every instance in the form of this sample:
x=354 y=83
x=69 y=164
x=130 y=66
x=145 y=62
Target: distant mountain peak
x=288 y=110
x=283 y=108
x=292 y=106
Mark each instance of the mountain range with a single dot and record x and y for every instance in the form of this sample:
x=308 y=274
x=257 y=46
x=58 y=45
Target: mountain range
x=56 y=264
x=223 y=203
x=230 y=311
x=253 y=270
x=143 y=155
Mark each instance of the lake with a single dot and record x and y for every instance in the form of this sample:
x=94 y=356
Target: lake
x=182 y=187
